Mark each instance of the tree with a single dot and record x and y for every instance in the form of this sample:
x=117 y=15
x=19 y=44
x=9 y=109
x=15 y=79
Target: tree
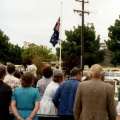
x=37 y=60
x=33 y=53
x=42 y=51
x=113 y=43
x=70 y=61
x=14 y=54
x=8 y=51
x=3 y=47
x=72 y=46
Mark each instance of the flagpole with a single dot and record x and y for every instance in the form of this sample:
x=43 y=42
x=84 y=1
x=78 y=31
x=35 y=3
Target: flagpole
x=60 y=35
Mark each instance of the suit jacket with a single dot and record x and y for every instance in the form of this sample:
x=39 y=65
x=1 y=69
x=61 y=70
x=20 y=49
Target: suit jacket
x=5 y=99
x=94 y=101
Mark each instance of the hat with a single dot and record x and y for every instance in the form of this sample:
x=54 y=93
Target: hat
x=75 y=71
x=57 y=72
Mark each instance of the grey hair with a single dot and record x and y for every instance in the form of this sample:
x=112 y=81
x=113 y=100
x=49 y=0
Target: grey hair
x=96 y=70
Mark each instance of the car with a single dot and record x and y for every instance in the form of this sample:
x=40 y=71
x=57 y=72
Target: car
x=113 y=75
x=85 y=74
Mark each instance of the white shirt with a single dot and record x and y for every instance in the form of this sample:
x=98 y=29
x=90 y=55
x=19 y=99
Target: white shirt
x=46 y=104
x=12 y=81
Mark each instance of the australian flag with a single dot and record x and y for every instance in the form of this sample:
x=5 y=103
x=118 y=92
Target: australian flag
x=55 y=35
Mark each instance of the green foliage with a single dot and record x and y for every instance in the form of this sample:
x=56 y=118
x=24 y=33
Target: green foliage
x=113 y=43
x=15 y=54
x=71 y=48
x=8 y=51
x=3 y=47
x=33 y=50
x=37 y=60
x=41 y=51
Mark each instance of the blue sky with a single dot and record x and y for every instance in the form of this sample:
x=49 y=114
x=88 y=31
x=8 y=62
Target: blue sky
x=33 y=20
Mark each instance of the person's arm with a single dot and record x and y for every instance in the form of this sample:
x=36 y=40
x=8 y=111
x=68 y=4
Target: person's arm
x=56 y=97
x=35 y=110
x=9 y=94
x=111 y=103
x=38 y=84
x=14 y=110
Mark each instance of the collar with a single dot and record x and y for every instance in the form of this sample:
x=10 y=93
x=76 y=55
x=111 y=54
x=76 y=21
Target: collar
x=96 y=79
x=74 y=78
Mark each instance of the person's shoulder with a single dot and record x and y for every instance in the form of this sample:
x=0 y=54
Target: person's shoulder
x=65 y=82
x=34 y=89
x=83 y=83
x=105 y=84
x=72 y=79
x=51 y=83
x=15 y=78
x=40 y=80
x=6 y=77
x=17 y=89
x=7 y=86
x=108 y=85
x=62 y=84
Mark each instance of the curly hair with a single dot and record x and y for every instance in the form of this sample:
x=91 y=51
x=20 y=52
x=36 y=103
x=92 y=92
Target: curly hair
x=47 y=72
x=27 y=79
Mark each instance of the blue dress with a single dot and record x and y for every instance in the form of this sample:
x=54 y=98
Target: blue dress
x=25 y=101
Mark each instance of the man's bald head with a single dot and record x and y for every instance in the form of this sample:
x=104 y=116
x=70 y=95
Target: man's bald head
x=96 y=70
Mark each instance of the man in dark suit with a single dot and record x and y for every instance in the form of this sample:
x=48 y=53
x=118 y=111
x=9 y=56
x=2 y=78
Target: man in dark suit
x=5 y=95
x=94 y=98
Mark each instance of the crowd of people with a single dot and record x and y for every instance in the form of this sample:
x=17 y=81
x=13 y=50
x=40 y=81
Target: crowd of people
x=25 y=95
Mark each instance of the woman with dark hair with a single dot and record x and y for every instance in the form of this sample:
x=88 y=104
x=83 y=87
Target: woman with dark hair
x=25 y=100
x=46 y=104
x=47 y=78
x=18 y=74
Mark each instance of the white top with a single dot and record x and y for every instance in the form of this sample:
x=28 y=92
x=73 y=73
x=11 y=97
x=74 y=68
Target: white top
x=42 y=84
x=32 y=68
x=12 y=81
x=46 y=104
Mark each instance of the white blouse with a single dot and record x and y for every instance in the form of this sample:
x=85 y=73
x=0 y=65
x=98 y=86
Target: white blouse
x=46 y=104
